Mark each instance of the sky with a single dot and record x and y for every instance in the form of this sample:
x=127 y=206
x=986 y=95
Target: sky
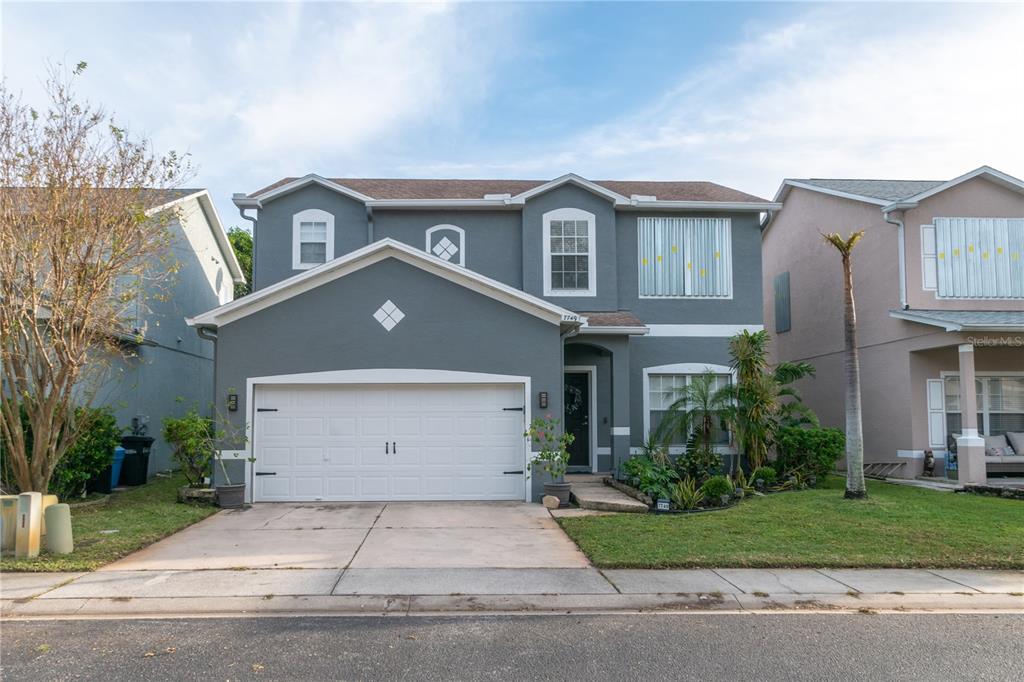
x=742 y=94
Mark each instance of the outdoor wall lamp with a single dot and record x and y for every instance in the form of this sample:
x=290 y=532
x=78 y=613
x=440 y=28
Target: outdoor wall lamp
x=542 y=400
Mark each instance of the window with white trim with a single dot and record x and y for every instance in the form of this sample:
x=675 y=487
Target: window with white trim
x=665 y=389
x=977 y=257
x=312 y=238
x=685 y=257
x=1000 y=404
x=569 y=253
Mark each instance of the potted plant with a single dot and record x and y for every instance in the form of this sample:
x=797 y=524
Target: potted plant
x=194 y=440
x=553 y=458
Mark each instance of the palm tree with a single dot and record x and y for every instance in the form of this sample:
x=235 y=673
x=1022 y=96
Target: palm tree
x=758 y=400
x=693 y=414
x=855 y=488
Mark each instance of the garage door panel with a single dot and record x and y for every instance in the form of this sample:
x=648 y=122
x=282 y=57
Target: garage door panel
x=308 y=426
x=374 y=426
x=327 y=442
x=406 y=425
x=307 y=457
x=342 y=427
x=275 y=426
x=340 y=487
x=342 y=455
x=308 y=487
x=275 y=456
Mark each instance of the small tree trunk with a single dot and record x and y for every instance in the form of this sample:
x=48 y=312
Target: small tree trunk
x=855 y=487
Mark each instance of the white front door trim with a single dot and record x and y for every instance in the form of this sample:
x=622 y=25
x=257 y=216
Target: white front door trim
x=591 y=371
x=384 y=376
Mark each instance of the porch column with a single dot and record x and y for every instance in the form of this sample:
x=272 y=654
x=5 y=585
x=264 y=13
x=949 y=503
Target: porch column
x=620 y=404
x=969 y=446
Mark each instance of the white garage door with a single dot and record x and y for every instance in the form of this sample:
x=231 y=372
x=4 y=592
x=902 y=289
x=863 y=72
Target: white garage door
x=389 y=442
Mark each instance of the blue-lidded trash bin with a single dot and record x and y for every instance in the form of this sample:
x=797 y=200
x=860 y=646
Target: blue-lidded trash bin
x=115 y=466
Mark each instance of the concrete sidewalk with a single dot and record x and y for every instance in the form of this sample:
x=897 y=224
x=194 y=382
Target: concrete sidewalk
x=407 y=591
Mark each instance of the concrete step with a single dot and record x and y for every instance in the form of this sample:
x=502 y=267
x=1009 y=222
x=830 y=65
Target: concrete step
x=590 y=492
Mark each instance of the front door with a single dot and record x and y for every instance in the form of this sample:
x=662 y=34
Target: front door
x=577 y=417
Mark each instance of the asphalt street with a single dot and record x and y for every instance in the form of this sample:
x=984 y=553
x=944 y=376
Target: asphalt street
x=592 y=647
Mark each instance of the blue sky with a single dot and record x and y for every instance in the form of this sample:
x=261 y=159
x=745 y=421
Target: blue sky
x=743 y=94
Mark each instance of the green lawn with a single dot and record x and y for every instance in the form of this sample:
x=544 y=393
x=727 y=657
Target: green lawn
x=141 y=516
x=897 y=526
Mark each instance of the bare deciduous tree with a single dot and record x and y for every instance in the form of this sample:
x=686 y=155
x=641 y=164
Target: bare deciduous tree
x=83 y=238
x=855 y=487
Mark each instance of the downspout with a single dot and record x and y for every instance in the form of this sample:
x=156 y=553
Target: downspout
x=901 y=247
x=252 y=276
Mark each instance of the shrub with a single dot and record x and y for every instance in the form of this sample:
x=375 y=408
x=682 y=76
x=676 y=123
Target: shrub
x=715 y=487
x=700 y=464
x=89 y=455
x=553 y=458
x=649 y=476
x=766 y=474
x=192 y=437
x=810 y=451
x=685 y=494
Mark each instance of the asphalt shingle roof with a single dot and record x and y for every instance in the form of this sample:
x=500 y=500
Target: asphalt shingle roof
x=412 y=189
x=886 y=190
x=972 y=319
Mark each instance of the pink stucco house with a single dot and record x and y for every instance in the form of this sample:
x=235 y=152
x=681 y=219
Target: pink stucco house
x=939 y=285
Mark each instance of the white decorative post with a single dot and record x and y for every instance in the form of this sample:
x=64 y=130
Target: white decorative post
x=970 y=447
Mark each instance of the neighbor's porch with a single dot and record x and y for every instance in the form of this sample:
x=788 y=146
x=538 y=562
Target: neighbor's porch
x=970 y=431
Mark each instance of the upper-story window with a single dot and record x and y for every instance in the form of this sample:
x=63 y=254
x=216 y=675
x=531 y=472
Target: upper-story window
x=685 y=257
x=570 y=248
x=447 y=242
x=973 y=257
x=312 y=238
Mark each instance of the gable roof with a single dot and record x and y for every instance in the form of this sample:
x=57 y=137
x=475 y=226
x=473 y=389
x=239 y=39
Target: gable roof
x=374 y=190
x=965 y=320
x=374 y=253
x=889 y=192
x=160 y=200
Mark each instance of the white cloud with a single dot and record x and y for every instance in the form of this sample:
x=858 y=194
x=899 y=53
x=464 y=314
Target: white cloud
x=835 y=92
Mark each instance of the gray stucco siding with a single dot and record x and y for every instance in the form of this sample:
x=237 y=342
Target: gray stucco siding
x=446 y=327
x=743 y=308
x=647 y=352
x=273 y=237
x=493 y=239
x=605 y=270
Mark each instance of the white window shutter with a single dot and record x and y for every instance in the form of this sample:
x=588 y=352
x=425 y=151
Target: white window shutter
x=929 y=262
x=936 y=414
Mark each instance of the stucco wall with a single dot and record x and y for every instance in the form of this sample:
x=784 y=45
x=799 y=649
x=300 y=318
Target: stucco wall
x=976 y=198
x=446 y=327
x=174 y=370
x=493 y=239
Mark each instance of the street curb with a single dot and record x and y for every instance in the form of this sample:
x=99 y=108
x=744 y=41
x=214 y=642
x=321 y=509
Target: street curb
x=412 y=605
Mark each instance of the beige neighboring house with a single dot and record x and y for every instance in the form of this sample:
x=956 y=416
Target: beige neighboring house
x=939 y=285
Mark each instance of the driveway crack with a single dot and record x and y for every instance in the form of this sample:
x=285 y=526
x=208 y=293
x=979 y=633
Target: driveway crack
x=356 y=553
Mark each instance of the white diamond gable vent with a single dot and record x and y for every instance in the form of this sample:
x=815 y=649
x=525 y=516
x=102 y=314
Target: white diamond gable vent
x=388 y=315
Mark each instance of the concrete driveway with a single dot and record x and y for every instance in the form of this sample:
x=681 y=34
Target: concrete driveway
x=403 y=535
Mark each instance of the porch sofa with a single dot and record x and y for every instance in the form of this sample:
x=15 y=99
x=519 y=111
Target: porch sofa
x=1004 y=453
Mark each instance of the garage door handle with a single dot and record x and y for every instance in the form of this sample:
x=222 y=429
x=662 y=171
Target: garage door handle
x=386 y=448
x=513 y=472
x=512 y=409
x=266 y=409
x=266 y=473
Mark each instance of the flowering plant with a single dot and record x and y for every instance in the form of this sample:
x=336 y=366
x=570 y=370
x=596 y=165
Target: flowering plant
x=553 y=458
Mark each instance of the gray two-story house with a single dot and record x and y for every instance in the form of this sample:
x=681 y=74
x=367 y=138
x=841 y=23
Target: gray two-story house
x=403 y=333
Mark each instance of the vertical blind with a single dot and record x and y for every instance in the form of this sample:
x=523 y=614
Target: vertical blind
x=979 y=257
x=685 y=257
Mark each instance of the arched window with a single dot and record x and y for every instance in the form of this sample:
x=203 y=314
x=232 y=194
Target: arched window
x=570 y=251
x=312 y=238
x=447 y=242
